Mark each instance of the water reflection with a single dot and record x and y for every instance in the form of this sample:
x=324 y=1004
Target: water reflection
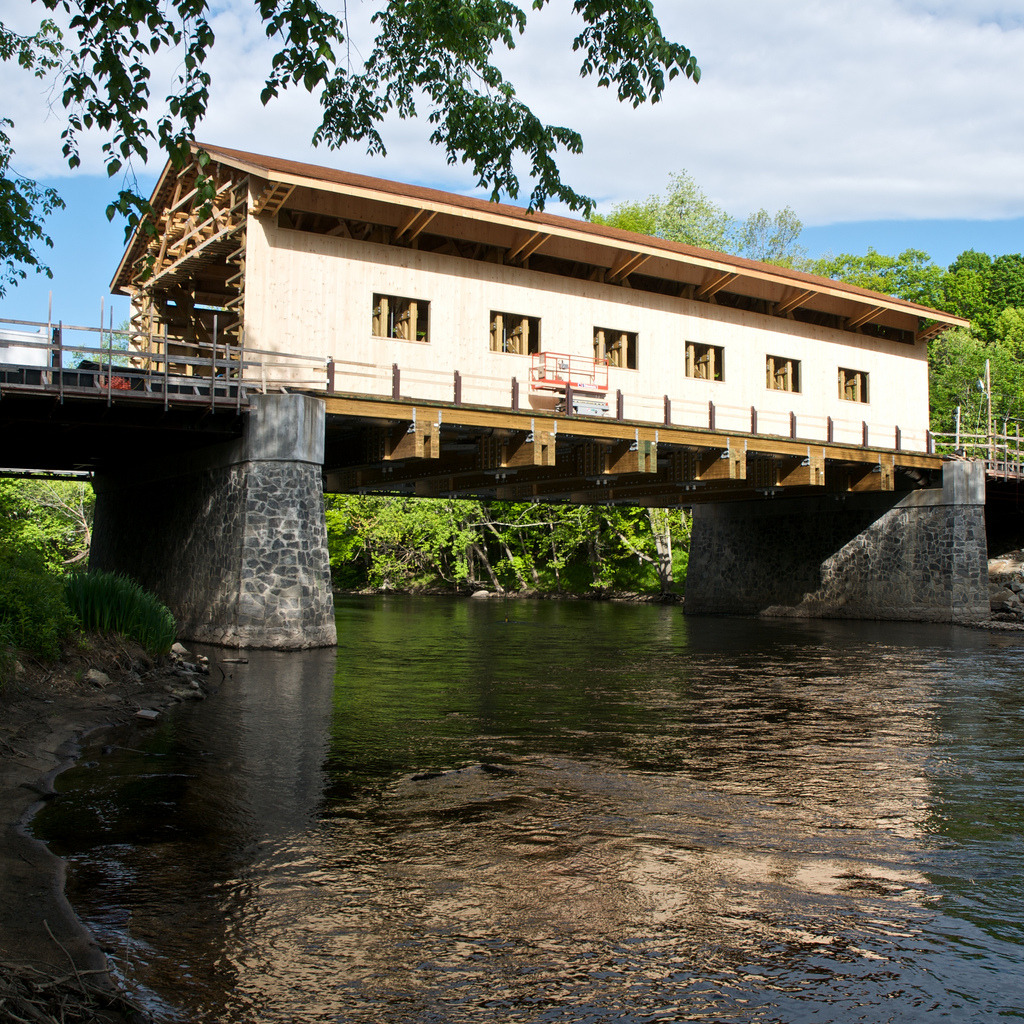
x=570 y=812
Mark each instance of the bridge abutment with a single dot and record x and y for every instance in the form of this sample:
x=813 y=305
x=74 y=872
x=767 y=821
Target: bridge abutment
x=231 y=538
x=918 y=556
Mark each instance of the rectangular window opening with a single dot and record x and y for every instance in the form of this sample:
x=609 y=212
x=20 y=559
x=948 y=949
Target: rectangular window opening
x=853 y=385
x=705 y=362
x=616 y=348
x=782 y=374
x=515 y=333
x=401 y=318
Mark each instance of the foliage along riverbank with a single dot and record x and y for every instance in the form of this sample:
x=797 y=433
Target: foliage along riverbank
x=459 y=546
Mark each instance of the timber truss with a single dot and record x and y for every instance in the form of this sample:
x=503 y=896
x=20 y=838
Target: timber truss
x=404 y=447
x=188 y=283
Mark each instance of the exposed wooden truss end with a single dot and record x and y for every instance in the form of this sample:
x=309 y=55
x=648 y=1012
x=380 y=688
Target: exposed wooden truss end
x=518 y=449
x=272 y=198
x=713 y=283
x=411 y=228
x=627 y=265
x=866 y=317
x=526 y=246
x=709 y=464
x=930 y=331
x=794 y=298
x=879 y=476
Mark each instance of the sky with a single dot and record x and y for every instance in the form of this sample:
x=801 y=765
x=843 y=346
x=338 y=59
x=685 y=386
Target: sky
x=893 y=124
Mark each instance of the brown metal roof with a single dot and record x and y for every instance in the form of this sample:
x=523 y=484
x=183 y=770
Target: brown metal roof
x=317 y=177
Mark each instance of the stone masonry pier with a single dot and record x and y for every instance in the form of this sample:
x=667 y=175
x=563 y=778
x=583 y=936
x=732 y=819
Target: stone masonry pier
x=920 y=556
x=232 y=538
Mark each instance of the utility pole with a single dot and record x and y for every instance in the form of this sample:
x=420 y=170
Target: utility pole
x=988 y=393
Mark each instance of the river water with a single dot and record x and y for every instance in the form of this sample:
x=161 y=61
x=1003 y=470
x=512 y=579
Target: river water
x=558 y=812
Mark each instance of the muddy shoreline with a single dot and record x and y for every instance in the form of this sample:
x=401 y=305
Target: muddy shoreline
x=46 y=711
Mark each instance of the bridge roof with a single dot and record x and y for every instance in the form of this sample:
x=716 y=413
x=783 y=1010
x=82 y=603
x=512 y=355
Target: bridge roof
x=522 y=233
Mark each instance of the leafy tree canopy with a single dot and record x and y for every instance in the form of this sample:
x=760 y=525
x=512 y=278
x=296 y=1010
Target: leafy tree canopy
x=23 y=203
x=435 y=57
x=911 y=275
x=981 y=288
x=686 y=214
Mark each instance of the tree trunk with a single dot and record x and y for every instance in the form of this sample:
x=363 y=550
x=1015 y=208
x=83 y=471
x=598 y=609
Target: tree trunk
x=661 y=529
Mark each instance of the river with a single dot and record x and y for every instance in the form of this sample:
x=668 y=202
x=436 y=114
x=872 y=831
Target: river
x=542 y=811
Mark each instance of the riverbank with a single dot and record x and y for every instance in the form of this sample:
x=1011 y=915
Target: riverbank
x=49 y=963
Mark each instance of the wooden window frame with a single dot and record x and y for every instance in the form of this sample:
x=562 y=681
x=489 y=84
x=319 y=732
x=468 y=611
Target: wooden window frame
x=705 y=362
x=514 y=333
x=401 y=318
x=853 y=385
x=616 y=348
x=783 y=374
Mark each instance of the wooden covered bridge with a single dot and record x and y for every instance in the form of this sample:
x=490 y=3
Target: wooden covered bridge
x=309 y=329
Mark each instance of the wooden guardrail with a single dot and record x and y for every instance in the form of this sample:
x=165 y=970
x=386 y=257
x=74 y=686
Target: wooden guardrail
x=222 y=373
x=1002 y=454
x=66 y=361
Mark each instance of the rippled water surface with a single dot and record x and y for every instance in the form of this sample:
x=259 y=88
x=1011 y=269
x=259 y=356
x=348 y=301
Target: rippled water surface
x=569 y=812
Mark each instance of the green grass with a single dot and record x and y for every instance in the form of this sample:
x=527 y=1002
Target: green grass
x=105 y=602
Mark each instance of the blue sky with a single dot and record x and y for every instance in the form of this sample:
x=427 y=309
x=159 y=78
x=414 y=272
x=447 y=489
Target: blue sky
x=875 y=120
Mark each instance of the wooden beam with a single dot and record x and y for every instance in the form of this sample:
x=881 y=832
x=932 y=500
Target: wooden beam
x=789 y=302
x=519 y=448
x=707 y=464
x=806 y=472
x=627 y=265
x=632 y=457
x=414 y=224
x=526 y=246
x=713 y=283
x=858 y=321
x=416 y=439
x=877 y=477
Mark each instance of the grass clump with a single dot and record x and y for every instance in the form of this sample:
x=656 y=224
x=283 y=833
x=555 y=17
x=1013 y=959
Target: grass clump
x=105 y=602
x=34 y=614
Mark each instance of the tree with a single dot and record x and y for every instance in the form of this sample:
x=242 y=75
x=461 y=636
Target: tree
x=981 y=288
x=957 y=380
x=685 y=213
x=438 y=55
x=24 y=204
x=50 y=517
x=911 y=275
x=772 y=238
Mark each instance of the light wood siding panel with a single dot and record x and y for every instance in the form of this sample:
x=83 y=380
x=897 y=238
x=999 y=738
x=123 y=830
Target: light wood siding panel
x=313 y=293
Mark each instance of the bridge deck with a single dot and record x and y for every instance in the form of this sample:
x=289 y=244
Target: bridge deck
x=440 y=449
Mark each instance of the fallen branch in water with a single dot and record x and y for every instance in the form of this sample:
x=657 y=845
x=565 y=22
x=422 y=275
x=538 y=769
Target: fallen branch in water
x=30 y=995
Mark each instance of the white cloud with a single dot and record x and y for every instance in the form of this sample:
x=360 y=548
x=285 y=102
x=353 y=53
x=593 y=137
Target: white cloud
x=843 y=110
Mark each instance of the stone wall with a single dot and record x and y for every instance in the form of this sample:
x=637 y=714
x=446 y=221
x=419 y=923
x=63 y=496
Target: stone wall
x=919 y=556
x=233 y=539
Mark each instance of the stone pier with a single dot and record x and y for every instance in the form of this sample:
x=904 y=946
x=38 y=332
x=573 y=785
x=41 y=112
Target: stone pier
x=232 y=538
x=916 y=556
